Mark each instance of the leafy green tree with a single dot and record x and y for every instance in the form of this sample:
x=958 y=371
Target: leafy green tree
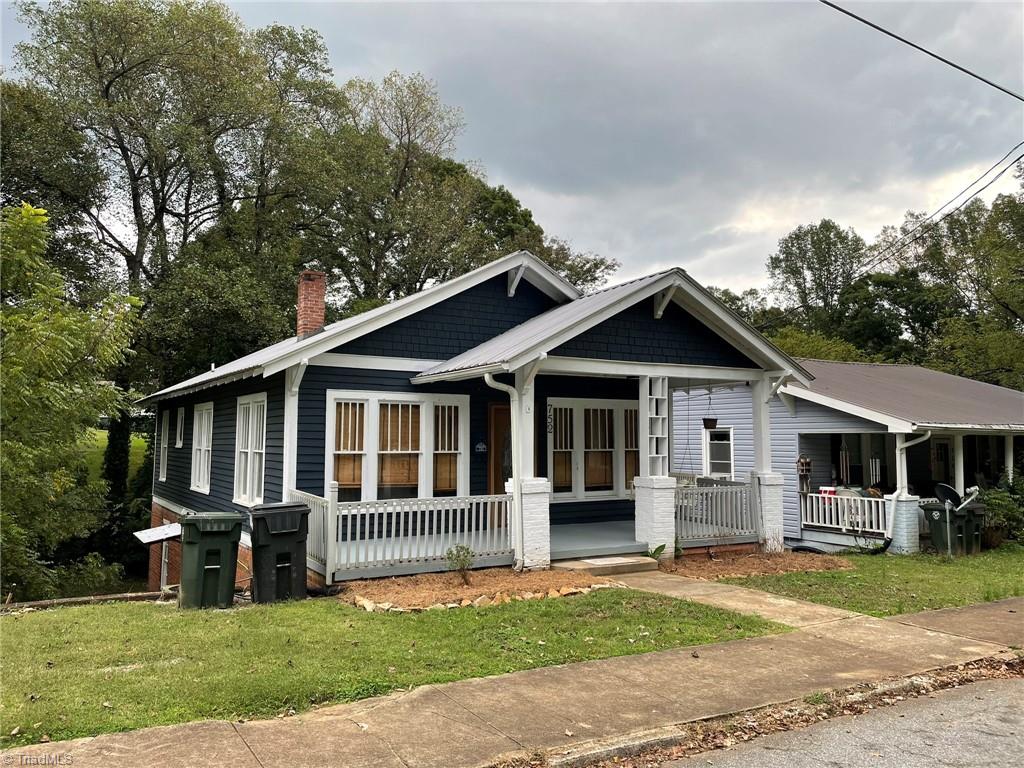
x=754 y=306
x=52 y=381
x=816 y=346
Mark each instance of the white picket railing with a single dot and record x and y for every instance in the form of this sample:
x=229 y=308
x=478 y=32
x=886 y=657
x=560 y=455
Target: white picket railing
x=849 y=514
x=403 y=534
x=716 y=514
x=316 y=543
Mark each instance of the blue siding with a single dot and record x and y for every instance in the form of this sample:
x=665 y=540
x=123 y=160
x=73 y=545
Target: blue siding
x=222 y=464
x=455 y=325
x=635 y=334
x=790 y=435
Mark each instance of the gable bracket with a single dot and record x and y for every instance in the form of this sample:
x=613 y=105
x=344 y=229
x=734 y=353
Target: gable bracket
x=661 y=301
x=514 y=276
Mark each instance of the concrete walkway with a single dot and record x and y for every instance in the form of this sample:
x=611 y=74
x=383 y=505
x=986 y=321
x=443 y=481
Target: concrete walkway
x=562 y=710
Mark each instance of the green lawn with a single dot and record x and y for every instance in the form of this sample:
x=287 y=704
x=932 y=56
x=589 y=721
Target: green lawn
x=85 y=670
x=98 y=443
x=881 y=585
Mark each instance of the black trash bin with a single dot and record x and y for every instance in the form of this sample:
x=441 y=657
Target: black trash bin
x=209 y=555
x=279 y=534
x=963 y=530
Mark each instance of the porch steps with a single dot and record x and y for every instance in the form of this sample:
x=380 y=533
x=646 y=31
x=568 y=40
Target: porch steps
x=608 y=565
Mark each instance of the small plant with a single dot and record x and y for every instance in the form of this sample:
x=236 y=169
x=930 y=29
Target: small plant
x=816 y=699
x=460 y=559
x=656 y=552
x=677 y=549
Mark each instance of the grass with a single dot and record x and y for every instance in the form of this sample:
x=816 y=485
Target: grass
x=886 y=586
x=97 y=443
x=80 y=671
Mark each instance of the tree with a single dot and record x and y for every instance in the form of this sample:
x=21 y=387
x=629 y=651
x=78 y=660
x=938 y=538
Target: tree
x=812 y=266
x=55 y=355
x=754 y=306
x=816 y=346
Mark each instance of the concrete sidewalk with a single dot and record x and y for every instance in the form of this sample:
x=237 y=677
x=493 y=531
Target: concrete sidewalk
x=559 y=709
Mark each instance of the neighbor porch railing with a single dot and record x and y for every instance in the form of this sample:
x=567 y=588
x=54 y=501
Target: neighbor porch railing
x=847 y=514
x=716 y=514
x=372 y=538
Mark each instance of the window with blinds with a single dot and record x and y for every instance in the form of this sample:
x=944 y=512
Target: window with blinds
x=598 y=449
x=561 y=449
x=398 y=451
x=202 y=446
x=349 y=449
x=446 y=450
x=250 y=448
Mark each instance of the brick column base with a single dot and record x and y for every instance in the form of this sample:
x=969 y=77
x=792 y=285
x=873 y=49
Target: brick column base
x=768 y=489
x=535 y=496
x=655 y=516
x=906 y=524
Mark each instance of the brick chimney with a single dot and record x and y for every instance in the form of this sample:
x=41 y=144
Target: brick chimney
x=312 y=293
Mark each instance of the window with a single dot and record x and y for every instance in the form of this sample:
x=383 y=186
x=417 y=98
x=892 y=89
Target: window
x=718 y=453
x=593 y=448
x=165 y=555
x=446 y=450
x=398 y=451
x=560 y=427
x=179 y=428
x=250 y=439
x=598 y=449
x=202 y=446
x=165 y=427
x=349 y=429
x=397 y=446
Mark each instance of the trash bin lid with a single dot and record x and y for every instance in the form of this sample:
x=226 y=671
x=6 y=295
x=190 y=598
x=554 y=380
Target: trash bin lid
x=282 y=517
x=211 y=521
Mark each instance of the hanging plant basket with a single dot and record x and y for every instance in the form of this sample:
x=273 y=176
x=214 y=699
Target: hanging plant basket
x=710 y=422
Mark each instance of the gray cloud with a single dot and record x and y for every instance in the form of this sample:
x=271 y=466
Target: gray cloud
x=698 y=134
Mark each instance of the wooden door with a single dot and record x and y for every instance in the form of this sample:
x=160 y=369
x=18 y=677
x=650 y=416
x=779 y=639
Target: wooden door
x=499 y=448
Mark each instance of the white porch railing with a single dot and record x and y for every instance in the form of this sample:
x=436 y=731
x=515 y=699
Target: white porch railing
x=716 y=514
x=848 y=514
x=361 y=538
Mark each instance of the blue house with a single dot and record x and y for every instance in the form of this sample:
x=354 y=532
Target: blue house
x=866 y=437
x=501 y=409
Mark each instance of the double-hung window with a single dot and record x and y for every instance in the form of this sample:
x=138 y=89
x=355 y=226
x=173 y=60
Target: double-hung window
x=202 y=446
x=179 y=428
x=397 y=445
x=718 y=458
x=593 y=448
x=165 y=438
x=250 y=438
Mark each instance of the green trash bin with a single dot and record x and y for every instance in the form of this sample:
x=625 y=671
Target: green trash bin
x=209 y=556
x=964 y=529
x=279 y=534
x=973 y=525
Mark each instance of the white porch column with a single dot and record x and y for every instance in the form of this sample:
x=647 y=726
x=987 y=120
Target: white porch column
x=901 y=465
x=1008 y=457
x=656 y=513
x=761 y=413
x=768 y=484
x=527 y=424
x=958 y=463
x=535 y=498
x=904 y=522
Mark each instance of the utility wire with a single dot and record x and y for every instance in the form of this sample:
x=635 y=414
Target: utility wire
x=904 y=40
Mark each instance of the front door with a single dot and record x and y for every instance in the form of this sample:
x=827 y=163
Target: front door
x=499 y=448
x=942 y=460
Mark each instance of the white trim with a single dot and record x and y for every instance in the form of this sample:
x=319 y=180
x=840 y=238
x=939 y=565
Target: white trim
x=578 y=406
x=661 y=302
x=373 y=362
x=292 y=381
x=372 y=401
x=165 y=440
x=202 y=415
x=705 y=447
x=538 y=274
x=173 y=506
x=179 y=428
x=892 y=423
x=514 y=276
x=580 y=365
x=250 y=496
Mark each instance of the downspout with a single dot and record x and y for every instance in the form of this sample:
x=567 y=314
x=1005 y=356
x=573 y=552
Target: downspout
x=517 y=508
x=899 y=491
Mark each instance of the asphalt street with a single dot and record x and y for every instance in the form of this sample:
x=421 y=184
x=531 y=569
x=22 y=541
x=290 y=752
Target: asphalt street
x=979 y=725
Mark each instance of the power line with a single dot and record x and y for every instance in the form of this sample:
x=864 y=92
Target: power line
x=934 y=55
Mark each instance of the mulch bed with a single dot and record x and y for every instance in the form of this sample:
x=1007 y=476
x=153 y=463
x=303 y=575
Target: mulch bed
x=486 y=587
x=738 y=564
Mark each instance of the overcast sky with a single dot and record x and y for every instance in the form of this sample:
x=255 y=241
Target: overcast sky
x=698 y=134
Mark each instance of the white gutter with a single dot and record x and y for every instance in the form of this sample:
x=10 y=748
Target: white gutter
x=517 y=507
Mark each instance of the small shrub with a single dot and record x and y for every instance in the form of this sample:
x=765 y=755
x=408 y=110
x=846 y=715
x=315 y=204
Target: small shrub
x=1004 y=507
x=816 y=699
x=460 y=559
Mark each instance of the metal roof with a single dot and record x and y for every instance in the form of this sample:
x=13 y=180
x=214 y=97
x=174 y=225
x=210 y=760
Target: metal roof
x=527 y=340
x=253 y=364
x=920 y=396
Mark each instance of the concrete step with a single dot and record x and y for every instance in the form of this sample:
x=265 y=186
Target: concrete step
x=609 y=565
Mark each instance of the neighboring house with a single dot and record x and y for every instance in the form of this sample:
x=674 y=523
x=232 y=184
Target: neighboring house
x=870 y=431
x=501 y=409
